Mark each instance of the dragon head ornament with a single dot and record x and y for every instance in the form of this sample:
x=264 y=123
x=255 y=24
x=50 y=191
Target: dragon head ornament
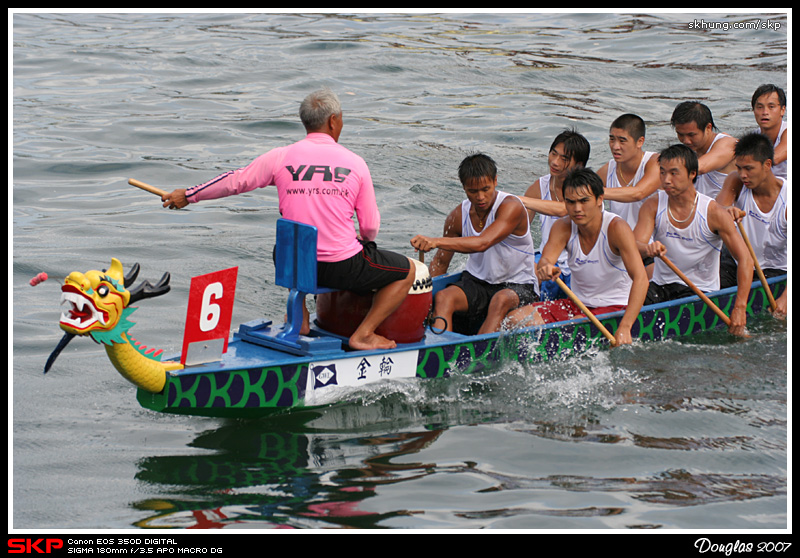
x=97 y=304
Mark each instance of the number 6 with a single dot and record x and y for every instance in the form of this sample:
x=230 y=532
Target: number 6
x=209 y=311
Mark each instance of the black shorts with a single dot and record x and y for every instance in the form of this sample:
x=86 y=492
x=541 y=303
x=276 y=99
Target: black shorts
x=479 y=294
x=662 y=293
x=367 y=271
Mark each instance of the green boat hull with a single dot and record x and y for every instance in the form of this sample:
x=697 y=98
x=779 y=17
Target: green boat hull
x=254 y=382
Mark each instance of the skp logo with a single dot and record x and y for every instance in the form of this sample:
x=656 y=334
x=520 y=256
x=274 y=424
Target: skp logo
x=31 y=546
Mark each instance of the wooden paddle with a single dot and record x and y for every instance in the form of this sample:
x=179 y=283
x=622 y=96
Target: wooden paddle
x=147 y=187
x=772 y=303
x=586 y=311
x=724 y=317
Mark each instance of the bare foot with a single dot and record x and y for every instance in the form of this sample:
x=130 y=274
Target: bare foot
x=373 y=341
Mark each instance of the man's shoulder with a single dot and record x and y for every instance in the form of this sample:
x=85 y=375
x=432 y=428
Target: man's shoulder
x=511 y=204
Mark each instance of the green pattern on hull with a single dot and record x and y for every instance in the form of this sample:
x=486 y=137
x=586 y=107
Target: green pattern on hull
x=257 y=391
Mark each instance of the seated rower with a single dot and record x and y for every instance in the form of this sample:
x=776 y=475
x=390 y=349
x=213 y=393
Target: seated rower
x=769 y=109
x=493 y=228
x=758 y=198
x=632 y=175
x=569 y=150
x=608 y=274
x=690 y=228
x=695 y=128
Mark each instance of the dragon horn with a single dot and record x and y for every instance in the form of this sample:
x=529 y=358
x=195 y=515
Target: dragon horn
x=60 y=347
x=131 y=276
x=148 y=290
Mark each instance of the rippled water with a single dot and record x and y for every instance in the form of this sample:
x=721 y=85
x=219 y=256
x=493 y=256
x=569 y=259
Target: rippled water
x=688 y=434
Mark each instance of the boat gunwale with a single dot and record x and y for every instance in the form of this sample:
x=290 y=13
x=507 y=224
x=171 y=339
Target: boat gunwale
x=432 y=339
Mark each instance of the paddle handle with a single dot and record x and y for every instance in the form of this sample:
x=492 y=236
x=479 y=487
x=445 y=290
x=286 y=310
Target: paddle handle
x=772 y=303
x=147 y=187
x=586 y=311
x=724 y=317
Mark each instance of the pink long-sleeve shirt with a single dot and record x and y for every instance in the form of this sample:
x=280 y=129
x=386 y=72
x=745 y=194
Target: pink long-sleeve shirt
x=319 y=183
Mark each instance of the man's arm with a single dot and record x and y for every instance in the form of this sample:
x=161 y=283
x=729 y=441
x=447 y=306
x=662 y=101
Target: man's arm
x=533 y=202
x=729 y=194
x=442 y=258
x=649 y=183
x=623 y=243
x=534 y=192
x=643 y=231
x=719 y=157
x=782 y=301
x=366 y=208
x=545 y=207
x=781 y=152
x=547 y=268
x=257 y=174
x=721 y=223
x=510 y=215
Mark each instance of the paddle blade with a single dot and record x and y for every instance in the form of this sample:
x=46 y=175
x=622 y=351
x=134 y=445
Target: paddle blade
x=60 y=347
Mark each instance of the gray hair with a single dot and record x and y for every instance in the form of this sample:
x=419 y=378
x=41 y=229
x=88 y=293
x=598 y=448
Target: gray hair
x=317 y=107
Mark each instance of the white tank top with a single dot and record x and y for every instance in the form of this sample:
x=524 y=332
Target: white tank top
x=775 y=247
x=627 y=210
x=509 y=261
x=599 y=278
x=546 y=223
x=779 y=170
x=762 y=229
x=710 y=183
x=694 y=250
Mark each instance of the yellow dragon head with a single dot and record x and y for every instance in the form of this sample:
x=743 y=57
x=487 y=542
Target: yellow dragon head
x=97 y=304
x=95 y=301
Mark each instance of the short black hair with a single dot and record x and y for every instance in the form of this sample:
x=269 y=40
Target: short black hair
x=631 y=123
x=692 y=111
x=768 y=88
x=680 y=152
x=575 y=146
x=755 y=145
x=583 y=176
x=476 y=166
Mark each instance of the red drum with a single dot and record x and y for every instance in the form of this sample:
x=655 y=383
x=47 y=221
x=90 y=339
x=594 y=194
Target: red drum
x=341 y=312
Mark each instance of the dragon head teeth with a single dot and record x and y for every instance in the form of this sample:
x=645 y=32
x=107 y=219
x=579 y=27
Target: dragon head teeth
x=80 y=312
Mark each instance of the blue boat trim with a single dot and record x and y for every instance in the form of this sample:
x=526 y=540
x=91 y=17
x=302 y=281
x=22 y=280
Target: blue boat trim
x=253 y=380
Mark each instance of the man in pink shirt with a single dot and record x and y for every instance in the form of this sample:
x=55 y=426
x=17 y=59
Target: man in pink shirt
x=322 y=183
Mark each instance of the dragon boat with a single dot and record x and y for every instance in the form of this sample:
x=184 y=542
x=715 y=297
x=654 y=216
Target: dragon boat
x=265 y=368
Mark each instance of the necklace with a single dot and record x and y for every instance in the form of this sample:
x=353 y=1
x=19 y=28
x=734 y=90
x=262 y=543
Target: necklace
x=554 y=191
x=622 y=177
x=481 y=219
x=691 y=211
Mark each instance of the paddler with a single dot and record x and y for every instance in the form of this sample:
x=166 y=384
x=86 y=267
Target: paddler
x=757 y=198
x=694 y=125
x=769 y=109
x=608 y=274
x=569 y=150
x=690 y=228
x=493 y=228
x=632 y=174
x=322 y=183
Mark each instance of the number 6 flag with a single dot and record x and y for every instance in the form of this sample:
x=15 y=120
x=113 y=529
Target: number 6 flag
x=208 y=316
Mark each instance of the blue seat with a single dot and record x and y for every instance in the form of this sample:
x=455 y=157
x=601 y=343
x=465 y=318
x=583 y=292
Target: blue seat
x=296 y=269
